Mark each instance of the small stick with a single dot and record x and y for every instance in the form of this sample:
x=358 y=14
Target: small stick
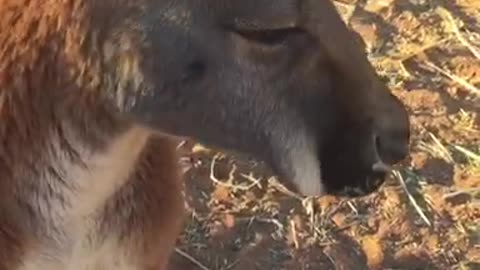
x=468 y=153
x=422 y=49
x=411 y=198
x=277 y=185
x=251 y=178
x=448 y=17
x=191 y=259
x=230 y=178
x=309 y=205
x=463 y=191
x=273 y=221
x=182 y=143
x=354 y=209
x=444 y=151
x=294 y=234
x=454 y=78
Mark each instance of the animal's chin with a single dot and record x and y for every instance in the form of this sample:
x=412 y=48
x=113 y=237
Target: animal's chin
x=308 y=177
x=300 y=167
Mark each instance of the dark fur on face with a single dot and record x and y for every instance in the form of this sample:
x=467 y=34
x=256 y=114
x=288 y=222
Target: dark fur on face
x=270 y=84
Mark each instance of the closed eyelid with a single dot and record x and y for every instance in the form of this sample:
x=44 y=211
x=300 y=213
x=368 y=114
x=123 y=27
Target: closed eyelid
x=269 y=37
x=257 y=15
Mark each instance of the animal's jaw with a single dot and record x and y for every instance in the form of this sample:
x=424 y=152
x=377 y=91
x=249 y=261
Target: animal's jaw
x=297 y=162
x=307 y=172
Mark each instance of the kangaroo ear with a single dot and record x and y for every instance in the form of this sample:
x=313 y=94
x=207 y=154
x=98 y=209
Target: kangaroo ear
x=347 y=57
x=321 y=19
x=261 y=14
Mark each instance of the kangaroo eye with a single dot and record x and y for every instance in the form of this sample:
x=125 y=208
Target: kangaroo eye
x=268 y=37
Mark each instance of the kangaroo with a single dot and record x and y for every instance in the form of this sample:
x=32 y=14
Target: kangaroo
x=94 y=93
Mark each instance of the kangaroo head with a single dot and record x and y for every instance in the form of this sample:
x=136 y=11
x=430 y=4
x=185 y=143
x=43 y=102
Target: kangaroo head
x=282 y=80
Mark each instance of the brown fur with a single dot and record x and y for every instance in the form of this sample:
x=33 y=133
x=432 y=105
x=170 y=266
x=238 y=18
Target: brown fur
x=49 y=51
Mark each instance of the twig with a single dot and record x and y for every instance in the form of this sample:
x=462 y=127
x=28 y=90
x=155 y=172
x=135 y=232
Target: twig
x=454 y=78
x=191 y=259
x=181 y=144
x=280 y=227
x=459 y=192
x=294 y=234
x=468 y=153
x=309 y=205
x=230 y=178
x=420 y=50
x=449 y=18
x=411 y=198
x=251 y=178
x=447 y=156
x=273 y=181
x=354 y=209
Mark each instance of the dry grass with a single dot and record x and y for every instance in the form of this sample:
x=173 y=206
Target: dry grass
x=427 y=216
